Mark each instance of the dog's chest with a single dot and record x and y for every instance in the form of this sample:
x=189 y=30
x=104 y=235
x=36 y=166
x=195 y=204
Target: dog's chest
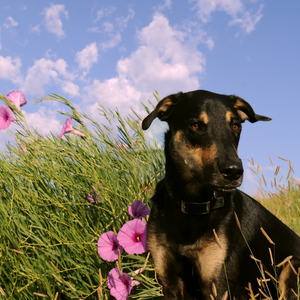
x=207 y=256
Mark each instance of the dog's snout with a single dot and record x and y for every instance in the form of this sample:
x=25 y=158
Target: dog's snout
x=232 y=171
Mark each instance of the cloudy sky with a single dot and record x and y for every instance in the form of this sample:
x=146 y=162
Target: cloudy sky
x=120 y=52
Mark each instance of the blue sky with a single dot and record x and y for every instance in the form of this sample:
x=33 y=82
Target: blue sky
x=120 y=52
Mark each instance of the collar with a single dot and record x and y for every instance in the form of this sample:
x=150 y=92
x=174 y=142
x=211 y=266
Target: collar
x=202 y=208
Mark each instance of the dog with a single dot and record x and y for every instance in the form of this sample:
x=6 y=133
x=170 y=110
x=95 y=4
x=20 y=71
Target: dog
x=209 y=240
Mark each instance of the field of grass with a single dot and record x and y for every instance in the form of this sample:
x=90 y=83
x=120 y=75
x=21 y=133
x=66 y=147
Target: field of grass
x=49 y=225
x=281 y=195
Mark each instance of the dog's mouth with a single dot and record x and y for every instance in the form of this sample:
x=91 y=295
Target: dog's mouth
x=227 y=187
x=224 y=189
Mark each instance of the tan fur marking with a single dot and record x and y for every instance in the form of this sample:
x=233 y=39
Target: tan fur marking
x=229 y=116
x=204 y=117
x=191 y=158
x=284 y=276
x=166 y=104
x=203 y=156
x=209 y=256
x=212 y=257
x=239 y=103
x=181 y=154
x=158 y=252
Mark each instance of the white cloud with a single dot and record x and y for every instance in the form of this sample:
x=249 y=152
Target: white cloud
x=166 y=61
x=114 y=40
x=206 y=7
x=234 y=8
x=154 y=135
x=10 y=22
x=249 y=20
x=53 y=22
x=105 y=12
x=10 y=69
x=44 y=72
x=123 y=21
x=70 y=88
x=114 y=92
x=108 y=26
x=167 y=4
x=35 y=29
x=87 y=57
x=44 y=121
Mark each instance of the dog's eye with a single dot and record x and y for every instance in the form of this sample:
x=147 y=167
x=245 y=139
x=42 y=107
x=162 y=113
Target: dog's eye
x=195 y=126
x=235 y=127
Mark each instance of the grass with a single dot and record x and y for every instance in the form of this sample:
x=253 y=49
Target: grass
x=281 y=195
x=50 y=228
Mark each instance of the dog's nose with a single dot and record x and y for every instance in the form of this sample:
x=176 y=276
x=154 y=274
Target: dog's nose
x=232 y=171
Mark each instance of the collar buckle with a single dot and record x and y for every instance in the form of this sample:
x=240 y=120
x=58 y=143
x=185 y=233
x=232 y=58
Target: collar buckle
x=202 y=208
x=195 y=208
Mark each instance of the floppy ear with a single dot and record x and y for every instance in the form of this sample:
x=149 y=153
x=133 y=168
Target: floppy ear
x=245 y=110
x=162 y=110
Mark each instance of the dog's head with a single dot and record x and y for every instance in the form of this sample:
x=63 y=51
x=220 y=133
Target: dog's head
x=203 y=136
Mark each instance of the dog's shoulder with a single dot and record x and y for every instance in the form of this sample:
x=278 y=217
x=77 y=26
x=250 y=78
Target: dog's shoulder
x=254 y=217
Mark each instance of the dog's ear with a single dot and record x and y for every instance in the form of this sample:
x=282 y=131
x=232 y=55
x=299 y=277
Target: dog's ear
x=162 y=110
x=245 y=110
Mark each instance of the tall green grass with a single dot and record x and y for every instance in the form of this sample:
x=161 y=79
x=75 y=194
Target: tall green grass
x=281 y=195
x=49 y=227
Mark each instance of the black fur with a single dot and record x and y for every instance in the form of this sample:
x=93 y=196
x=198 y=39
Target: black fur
x=222 y=253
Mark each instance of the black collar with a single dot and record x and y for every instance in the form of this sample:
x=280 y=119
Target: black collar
x=202 y=208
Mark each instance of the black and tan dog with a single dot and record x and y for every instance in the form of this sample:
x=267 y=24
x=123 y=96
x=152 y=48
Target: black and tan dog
x=209 y=240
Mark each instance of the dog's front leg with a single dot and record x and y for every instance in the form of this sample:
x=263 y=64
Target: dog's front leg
x=289 y=285
x=169 y=268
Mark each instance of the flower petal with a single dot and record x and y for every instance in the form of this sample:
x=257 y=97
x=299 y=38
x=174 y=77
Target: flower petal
x=68 y=124
x=91 y=198
x=77 y=132
x=6 y=116
x=132 y=236
x=17 y=98
x=67 y=127
x=120 y=286
x=138 y=210
x=108 y=246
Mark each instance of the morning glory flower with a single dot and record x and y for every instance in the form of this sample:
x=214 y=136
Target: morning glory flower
x=6 y=116
x=17 y=98
x=138 y=210
x=120 y=285
x=96 y=194
x=108 y=246
x=122 y=146
x=132 y=236
x=67 y=128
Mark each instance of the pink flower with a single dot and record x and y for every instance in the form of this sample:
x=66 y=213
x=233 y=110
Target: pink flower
x=17 y=98
x=122 y=146
x=96 y=194
x=23 y=148
x=138 y=210
x=108 y=246
x=6 y=116
x=67 y=128
x=91 y=198
x=132 y=236
x=120 y=286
